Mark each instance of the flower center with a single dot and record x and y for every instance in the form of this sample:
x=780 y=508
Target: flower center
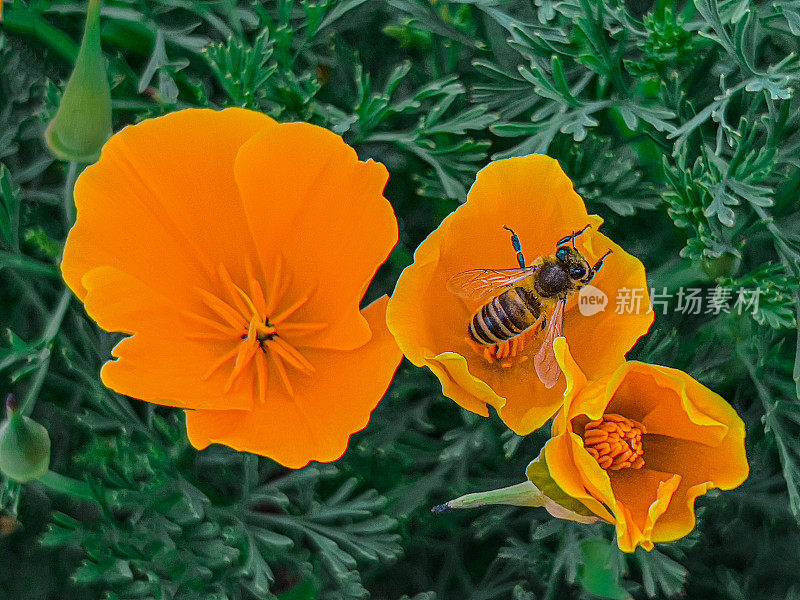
x=615 y=442
x=264 y=332
x=253 y=319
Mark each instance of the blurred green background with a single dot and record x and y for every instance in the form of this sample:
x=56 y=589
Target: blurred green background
x=677 y=122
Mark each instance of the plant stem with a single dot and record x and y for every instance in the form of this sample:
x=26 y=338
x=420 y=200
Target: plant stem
x=50 y=332
x=36 y=385
x=69 y=186
x=67 y=485
x=20 y=262
x=54 y=324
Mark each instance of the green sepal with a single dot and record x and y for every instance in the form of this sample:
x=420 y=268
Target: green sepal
x=83 y=121
x=539 y=474
x=24 y=448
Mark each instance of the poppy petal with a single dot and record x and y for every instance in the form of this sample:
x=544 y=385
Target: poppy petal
x=304 y=203
x=317 y=423
x=143 y=209
x=643 y=495
x=459 y=385
x=702 y=467
x=593 y=489
x=670 y=402
x=161 y=362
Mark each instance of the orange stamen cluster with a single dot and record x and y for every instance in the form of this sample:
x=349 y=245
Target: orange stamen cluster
x=251 y=319
x=506 y=354
x=615 y=442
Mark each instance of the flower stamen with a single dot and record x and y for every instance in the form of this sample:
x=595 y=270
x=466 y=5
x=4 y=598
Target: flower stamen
x=615 y=442
x=506 y=354
x=291 y=310
x=293 y=357
x=225 y=330
x=246 y=319
x=262 y=374
x=243 y=357
x=284 y=375
x=304 y=327
x=248 y=302
x=222 y=308
x=278 y=287
x=232 y=290
x=225 y=358
x=257 y=296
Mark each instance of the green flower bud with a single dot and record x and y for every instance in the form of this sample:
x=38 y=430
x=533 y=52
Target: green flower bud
x=24 y=445
x=83 y=121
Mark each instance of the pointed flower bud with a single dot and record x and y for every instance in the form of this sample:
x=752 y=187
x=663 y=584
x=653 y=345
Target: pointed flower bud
x=83 y=121
x=24 y=445
x=521 y=494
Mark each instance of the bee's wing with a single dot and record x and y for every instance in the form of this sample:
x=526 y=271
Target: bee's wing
x=479 y=283
x=545 y=360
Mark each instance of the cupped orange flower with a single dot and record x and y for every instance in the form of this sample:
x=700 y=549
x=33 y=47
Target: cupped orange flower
x=235 y=252
x=637 y=446
x=532 y=196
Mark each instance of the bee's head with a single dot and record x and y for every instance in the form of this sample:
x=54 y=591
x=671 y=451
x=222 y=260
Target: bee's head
x=575 y=264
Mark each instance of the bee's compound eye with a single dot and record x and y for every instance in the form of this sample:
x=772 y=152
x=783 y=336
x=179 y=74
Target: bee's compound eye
x=562 y=254
x=577 y=272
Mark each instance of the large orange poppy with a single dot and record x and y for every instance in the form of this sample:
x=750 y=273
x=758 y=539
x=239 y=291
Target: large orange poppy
x=638 y=446
x=535 y=198
x=235 y=252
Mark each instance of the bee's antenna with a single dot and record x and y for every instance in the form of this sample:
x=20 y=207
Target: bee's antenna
x=572 y=236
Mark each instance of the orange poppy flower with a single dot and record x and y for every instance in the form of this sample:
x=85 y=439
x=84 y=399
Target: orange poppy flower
x=235 y=252
x=637 y=446
x=532 y=196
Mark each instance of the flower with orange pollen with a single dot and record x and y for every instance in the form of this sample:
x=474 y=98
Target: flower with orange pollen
x=532 y=196
x=235 y=252
x=638 y=446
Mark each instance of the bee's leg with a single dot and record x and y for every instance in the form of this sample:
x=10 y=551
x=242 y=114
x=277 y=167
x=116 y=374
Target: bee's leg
x=517 y=247
x=597 y=266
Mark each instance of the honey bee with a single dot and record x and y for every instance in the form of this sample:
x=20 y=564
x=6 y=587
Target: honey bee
x=516 y=303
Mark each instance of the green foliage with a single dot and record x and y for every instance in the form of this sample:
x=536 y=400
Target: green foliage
x=191 y=538
x=678 y=123
x=594 y=572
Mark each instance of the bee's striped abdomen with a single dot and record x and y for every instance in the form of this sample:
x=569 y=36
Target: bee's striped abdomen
x=506 y=316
